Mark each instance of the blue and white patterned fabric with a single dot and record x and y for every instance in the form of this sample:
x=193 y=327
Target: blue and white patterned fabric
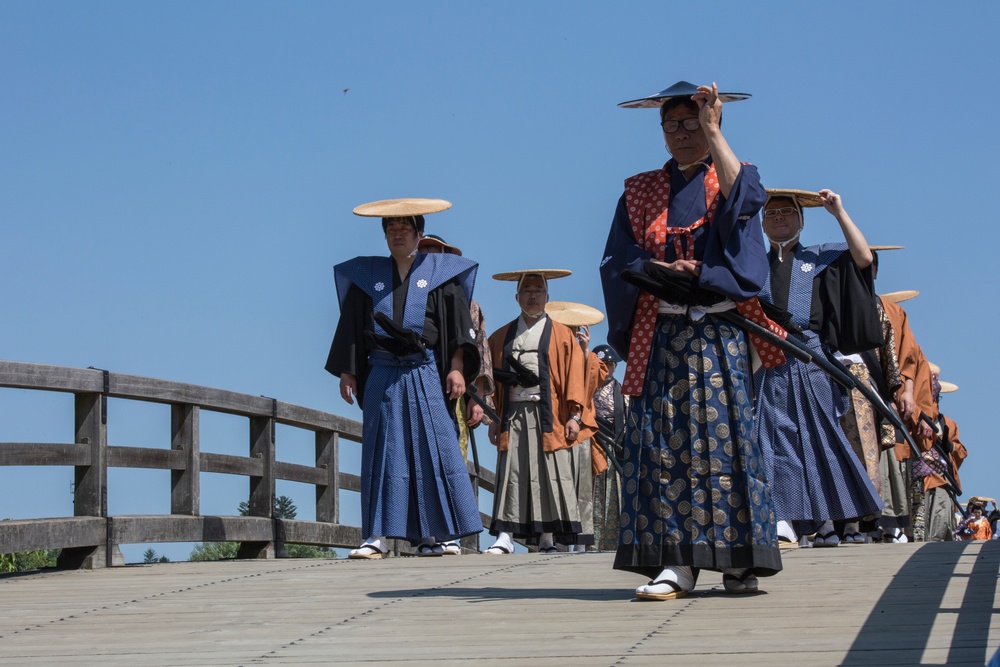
x=812 y=470
x=693 y=489
x=414 y=481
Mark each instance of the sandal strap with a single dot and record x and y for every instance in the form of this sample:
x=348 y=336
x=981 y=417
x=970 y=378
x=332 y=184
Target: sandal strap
x=673 y=584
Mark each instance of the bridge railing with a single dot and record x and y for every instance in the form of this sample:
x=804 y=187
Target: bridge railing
x=91 y=537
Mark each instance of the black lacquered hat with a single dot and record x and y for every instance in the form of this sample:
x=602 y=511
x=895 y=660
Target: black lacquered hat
x=679 y=89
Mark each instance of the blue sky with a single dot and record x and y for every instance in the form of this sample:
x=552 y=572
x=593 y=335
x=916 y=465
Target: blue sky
x=177 y=179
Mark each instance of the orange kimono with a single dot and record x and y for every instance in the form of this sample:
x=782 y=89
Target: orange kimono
x=560 y=371
x=595 y=372
x=958 y=455
x=912 y=366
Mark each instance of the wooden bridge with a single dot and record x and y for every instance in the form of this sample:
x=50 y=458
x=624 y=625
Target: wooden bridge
x=906 y=604
x=903 y=604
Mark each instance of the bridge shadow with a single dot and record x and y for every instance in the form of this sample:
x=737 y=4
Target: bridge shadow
x=899 y=626
x=490 y=594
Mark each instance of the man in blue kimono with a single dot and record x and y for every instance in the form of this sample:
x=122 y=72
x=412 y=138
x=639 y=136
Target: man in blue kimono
x=694 y=494
x=827 y=297
x=404 y=344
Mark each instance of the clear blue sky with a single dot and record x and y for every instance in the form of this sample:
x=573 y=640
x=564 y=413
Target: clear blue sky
x=177 y=179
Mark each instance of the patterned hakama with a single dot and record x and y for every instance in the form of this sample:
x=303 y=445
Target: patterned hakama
x=418 y=485
x=860 y=427
x=813 y=472
x=694 y=491
x=535 y=489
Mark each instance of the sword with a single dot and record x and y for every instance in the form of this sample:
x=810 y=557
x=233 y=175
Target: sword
x=797 y=349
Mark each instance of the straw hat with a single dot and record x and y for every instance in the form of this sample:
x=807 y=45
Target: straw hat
x=401 y=208
x=947 y=387
x=436 y=241
x=899 y=297
x=880 y=248
x=805 y=198
x=934 y=368
x=573 y=314
x=679 y=89
x=548 y=274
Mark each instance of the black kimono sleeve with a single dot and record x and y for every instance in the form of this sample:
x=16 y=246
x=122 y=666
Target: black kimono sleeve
x=849 y=321
x=350 y=347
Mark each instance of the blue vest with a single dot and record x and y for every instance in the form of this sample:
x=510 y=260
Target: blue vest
x=373 y=275
x=807 y=263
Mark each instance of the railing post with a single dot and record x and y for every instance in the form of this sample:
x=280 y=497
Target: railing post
x=185 y=485
x=261 y=500
x=90 y=481
x=327 y=457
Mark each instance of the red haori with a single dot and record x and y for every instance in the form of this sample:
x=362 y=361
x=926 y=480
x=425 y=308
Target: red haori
x=769 y=353
x=647 y=198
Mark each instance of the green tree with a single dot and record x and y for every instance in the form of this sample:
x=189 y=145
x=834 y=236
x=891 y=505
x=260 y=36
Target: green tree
x=214 y=551
x=284 y=508
x=149 y=556
x=28 y=560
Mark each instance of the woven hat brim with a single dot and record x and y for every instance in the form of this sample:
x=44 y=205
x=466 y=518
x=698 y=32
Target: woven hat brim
x=805 y=198
x=573 y=314
x=426 y=241
x=548 y=274
x=656 y=101
x=934 y=368
x=899 y=297
x=880 y=248
x=948 y=387
x=397 y=208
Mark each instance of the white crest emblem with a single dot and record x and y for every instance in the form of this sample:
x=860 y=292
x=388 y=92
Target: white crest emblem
x=421 y=283
x=807 y=267
x=472 y=333
x=605 y=260
x=379 y=286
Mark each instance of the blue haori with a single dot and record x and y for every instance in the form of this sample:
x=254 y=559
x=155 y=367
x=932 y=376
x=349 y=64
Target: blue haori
x=418 y=485
x=813 y=470
x=693 y=490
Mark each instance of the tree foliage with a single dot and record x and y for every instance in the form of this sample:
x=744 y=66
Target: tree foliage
x=24 y=561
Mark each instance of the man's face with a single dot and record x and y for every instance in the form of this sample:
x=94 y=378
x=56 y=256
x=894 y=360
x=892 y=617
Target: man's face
x=532 y=295
x=782 y=219
x=401 y=237
x=686 y=146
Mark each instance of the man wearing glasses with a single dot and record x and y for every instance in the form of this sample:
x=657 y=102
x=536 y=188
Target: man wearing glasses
x=694 y=495
x=828 y=298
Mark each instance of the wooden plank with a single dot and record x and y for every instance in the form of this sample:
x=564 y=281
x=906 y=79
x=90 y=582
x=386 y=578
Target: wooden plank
x=321 y=534
x=350 y=482
x=136 y=529
x=66 y=533
x=185 y=439
x=327 y=492
x=561 y=609
x=144 y=457
x=22 y=375
x=43 y=454
x=316 y=420
x=231 y=465
x=296 y=472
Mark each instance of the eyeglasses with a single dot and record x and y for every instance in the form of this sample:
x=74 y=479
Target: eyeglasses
x=671 y=126
x=785 y=211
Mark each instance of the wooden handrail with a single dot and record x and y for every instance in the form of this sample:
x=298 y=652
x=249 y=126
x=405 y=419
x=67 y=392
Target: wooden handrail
x=91 y=538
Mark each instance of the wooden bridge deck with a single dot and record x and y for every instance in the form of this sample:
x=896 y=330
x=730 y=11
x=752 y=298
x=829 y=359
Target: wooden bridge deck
x=854 y=605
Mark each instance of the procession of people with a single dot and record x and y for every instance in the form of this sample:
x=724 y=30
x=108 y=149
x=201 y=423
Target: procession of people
x=770 y=397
